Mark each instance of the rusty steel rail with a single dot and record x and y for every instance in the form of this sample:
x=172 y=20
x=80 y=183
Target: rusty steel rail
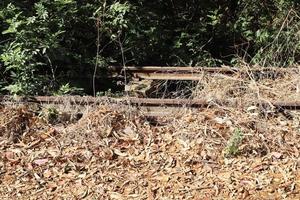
x=169 y=76
x=76 y=100
x=88 y=100
x=292 y=105
x=225 y=70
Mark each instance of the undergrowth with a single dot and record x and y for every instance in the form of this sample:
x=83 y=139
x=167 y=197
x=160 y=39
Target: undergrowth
x=232 y=148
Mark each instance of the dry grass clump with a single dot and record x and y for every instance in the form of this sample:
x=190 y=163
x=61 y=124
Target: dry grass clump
x=104 y=121
x=255 y=87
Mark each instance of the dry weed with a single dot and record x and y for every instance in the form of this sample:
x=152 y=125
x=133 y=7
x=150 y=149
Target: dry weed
x=255 y=87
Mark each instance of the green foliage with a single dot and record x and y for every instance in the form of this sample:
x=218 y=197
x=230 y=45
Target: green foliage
x=270 y=31
x=34 y=39
x=49 y=114
x=109 y=93
x=279 y=46
x=66 y=89
x=44 y=44
x=233 y=144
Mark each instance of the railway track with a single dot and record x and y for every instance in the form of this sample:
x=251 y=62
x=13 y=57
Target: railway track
x=144 y=102
x=169 y=73
x=224 y=70
x=197 y=73
x=144 y=80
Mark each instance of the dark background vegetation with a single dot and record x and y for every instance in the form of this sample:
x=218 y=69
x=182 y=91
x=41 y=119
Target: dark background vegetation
x=53 y=47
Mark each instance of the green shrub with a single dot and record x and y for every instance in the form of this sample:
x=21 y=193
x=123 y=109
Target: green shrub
x=233 y=144
x=43 y=43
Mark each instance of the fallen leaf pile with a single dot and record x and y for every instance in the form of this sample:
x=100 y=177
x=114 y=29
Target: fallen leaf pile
x=114 y=153
x=20 y=122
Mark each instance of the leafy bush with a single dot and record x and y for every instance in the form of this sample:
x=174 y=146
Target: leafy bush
x=34 y=41
x=44 y=44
